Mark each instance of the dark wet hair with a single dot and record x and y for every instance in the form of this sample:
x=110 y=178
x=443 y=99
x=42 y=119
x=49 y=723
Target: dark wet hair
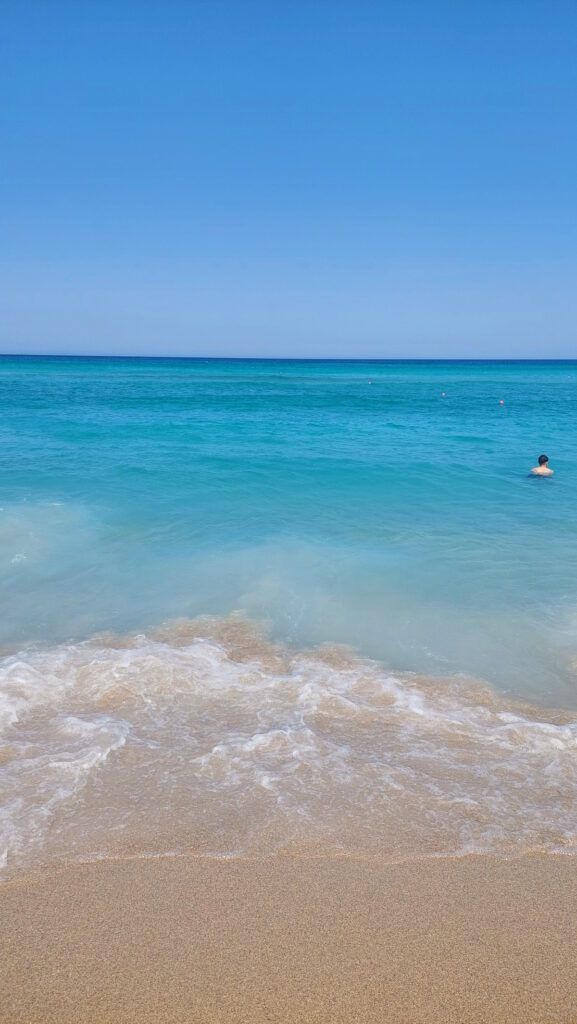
x=543 y=459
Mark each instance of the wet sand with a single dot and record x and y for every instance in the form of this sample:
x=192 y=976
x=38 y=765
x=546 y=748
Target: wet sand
x=203 y=941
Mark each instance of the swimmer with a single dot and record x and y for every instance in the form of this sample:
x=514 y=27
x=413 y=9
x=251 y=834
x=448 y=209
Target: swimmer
x=542 y=469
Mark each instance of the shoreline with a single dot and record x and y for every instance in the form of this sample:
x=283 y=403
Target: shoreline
x=168 y=940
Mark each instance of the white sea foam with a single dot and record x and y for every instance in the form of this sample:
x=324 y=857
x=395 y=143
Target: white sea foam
x=202 y=736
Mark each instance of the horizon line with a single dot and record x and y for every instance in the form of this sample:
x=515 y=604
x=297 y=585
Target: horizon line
x=293 y=359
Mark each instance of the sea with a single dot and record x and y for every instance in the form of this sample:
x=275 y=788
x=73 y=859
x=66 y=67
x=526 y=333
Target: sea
x=257 y=608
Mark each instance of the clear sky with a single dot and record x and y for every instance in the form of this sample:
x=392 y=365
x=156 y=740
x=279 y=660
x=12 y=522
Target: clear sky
x=289 y=177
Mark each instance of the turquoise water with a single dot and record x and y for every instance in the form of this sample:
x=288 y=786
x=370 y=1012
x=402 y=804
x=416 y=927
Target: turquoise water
x=340 y=501
x=186 y=546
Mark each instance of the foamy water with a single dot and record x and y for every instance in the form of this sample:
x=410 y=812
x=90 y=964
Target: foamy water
x=203 y=737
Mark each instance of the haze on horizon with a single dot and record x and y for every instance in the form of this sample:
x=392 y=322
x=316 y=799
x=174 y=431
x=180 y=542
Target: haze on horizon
x=335 y=178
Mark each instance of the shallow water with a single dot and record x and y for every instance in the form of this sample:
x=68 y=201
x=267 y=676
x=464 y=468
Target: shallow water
x=335 y=503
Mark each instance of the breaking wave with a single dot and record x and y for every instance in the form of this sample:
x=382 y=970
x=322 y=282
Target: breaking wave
x=204 y=737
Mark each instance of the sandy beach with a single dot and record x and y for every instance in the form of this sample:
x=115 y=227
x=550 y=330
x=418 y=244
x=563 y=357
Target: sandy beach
x=475 y=940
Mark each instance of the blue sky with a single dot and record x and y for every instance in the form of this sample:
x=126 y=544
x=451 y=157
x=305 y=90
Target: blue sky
x=290 y=177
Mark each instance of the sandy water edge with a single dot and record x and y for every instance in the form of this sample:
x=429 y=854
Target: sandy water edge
x=473 y=939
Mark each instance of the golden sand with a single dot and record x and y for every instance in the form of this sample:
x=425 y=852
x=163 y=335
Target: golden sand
x=199 y=941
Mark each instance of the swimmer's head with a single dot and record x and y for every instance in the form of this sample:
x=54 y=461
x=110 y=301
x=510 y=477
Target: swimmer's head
x=543 y=460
